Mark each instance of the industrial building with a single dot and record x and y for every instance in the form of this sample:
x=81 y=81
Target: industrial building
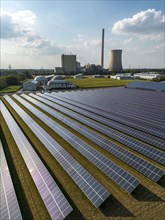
x=115 y=63
x=121 y=76
x=69 y=63
x=58 y=82
x=78 y=76
x=149 y=76
x=42 y=80
x=30 y=85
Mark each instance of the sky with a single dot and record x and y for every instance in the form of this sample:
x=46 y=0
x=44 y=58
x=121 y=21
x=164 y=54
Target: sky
x=34 y=34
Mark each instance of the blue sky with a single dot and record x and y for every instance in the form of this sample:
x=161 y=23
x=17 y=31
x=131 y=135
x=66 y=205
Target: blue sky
x=36 y=33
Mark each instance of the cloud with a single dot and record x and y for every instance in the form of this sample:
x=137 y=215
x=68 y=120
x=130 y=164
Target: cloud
x=149 y=23
x=17 y=24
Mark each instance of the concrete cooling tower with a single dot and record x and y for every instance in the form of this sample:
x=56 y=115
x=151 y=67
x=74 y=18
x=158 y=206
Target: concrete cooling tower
x=115 y=61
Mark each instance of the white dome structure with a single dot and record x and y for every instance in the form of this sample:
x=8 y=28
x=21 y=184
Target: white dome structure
x=40 y=78
x=58 y=77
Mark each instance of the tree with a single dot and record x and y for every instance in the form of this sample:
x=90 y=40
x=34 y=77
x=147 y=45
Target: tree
x=12 y=80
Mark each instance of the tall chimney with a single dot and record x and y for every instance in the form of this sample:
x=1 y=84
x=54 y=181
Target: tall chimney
x=102 y=49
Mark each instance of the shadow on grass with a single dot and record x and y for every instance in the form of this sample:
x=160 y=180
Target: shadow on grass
x=113 y=208
x=143 y=194
x=23 y=203
x=161 y=182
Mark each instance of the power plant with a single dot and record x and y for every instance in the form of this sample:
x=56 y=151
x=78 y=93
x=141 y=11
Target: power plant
x=115 y=63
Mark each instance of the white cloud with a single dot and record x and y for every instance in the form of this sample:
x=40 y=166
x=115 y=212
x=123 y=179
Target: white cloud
x=148 y=23
x=17 y=24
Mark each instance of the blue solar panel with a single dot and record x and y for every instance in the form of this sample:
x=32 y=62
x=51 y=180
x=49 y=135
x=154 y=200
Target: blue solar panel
x=9 y=207
x=156 y=86
x=56 y=203
x=95 y=192
x=143 y=166
x=111 y=169
x=134 y=144
x=97 y=115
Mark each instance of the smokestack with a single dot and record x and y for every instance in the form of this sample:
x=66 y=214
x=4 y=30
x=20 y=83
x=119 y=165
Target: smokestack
x=102 y=49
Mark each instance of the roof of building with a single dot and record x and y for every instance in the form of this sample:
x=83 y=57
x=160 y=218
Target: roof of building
x=32 y=81
x=40 y=78
x=58 y=77
x=56 y=82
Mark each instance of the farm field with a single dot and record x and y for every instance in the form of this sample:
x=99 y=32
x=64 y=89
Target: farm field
x=113 y=137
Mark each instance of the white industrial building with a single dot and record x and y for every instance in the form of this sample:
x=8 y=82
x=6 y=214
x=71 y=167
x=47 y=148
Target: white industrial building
x=149 y=76
x=42 y=80
x=58 y=82
x=30 y=85
x=121 y=76
x=78 y=76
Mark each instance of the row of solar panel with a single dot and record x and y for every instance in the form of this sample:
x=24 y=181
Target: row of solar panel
x=146 y=168
x=157 y=142
x=147 y=85
x=95 y=192
x=121 y=102
x=132 y=122
x=54 y=200
x=9 y=207
x=111 y=169
x=121 y=105
x=128 y=141
x=113 y=113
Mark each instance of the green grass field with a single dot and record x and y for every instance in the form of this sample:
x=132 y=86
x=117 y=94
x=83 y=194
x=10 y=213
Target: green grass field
x=10 y=89
x=99 y=82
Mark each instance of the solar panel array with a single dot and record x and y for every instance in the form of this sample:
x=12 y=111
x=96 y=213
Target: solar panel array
x=157 y=86
x=122 y=110
x=95 y=192
x=141 y=165
x=9 y=207
x=134 y=144
x=111 y=169
x=107 y=120
x=56 y=203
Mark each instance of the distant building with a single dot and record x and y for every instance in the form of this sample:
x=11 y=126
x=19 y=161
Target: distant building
x=120 y=76
x=92 y=68
x=30 y=85
x=58 y=70
x=148 y=75
x=97 y=76
x=58 y=82
x=42 y=80
x=78 y=76
x=69 y=63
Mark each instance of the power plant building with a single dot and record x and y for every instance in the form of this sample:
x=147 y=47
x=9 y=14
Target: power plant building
x=69 y=63
x=115 y=63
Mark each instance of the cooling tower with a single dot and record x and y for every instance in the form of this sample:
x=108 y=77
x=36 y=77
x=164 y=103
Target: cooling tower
x=115 y=61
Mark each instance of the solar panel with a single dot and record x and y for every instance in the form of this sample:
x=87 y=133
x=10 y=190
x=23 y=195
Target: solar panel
x=141 y=165
x=118 y=112
x=56 y=203
x=134 y=144
x=111 y=169
x=156 y=86
x=94 y=191
x=9 y=207
x=89 y=111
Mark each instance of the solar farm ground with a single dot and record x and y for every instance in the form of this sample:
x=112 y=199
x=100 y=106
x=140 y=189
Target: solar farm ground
x=147 y=201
